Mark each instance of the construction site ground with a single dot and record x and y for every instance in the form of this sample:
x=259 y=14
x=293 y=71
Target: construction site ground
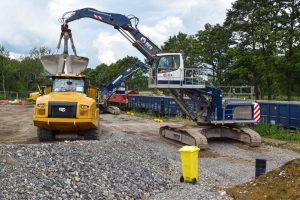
x=224 y=164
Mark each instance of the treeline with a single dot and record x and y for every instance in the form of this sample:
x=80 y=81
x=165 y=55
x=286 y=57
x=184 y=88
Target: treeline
x=15 y=74
x=258 y=44
x=104 y=74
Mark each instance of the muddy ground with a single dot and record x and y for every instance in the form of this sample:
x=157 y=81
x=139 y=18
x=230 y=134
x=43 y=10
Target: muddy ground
x=16 y=125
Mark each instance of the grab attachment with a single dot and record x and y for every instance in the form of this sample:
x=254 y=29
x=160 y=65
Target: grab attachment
x=65 y=63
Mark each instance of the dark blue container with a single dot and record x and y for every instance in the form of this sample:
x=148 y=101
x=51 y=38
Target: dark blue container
x=285 y=114
x=146 y=103
x=162 y=105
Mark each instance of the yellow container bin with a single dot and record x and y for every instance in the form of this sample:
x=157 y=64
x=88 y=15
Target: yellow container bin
x=189 y=161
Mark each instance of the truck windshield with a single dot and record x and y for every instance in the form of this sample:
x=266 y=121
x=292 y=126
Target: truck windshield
x=68 y=85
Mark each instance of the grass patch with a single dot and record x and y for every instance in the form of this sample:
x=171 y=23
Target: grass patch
x=277 y=132
x=281 y=183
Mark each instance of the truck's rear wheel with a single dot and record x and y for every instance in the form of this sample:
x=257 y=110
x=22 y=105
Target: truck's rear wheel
x=45 y=135
x=91 y=134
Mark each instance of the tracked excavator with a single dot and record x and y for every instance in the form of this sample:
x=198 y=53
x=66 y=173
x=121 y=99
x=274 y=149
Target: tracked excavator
x=107 y=92
x=215 y=116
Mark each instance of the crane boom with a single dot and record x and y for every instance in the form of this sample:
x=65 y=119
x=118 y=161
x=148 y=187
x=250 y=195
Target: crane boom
x=123 y=24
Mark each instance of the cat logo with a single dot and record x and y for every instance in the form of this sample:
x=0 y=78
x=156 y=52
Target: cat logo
x=62 y=109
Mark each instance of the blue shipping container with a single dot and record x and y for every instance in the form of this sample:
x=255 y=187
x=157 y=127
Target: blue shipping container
x=285 y=114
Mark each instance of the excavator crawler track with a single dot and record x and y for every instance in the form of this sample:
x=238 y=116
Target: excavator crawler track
x=198 y=136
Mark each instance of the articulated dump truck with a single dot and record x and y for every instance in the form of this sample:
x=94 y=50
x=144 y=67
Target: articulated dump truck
x=68 y=106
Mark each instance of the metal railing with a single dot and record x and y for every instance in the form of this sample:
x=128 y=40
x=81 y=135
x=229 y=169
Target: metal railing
x=182 y=78
x=237 y=91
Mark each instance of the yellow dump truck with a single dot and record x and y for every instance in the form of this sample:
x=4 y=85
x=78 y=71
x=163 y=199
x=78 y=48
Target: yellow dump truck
x=69 y=105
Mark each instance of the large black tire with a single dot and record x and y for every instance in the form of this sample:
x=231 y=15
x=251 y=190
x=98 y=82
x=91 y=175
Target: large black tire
x=45 y=135
x=91 y=134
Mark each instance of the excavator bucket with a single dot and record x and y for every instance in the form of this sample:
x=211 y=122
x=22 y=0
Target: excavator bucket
x=53 y=63
x=76 y=64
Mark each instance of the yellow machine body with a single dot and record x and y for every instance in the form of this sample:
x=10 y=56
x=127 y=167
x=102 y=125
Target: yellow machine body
x=33 y=96
x=50 y=109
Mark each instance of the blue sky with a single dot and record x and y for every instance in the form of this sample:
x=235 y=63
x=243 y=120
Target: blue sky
x=34 y=23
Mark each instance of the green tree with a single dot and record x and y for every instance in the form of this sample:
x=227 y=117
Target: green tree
x=256 y=36
x=183 y=43
x=4 y=60
x=213 y=43
x=289 y=26
x=104 y=74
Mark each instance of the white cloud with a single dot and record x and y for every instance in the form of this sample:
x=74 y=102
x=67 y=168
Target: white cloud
x=112 y=47
x=16 y=56
x=33 y=23
x=161 y=31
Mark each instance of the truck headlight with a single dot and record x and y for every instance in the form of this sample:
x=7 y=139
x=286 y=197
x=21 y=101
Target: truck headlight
x=84 y=106
x=41 y=105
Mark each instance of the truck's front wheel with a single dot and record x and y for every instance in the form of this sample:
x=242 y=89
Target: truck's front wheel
x=45 y=135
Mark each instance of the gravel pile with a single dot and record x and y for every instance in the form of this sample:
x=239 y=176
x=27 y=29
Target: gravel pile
x=120 y=167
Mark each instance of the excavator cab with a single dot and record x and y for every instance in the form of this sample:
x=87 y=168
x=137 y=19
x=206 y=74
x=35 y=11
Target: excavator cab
x=169 y=71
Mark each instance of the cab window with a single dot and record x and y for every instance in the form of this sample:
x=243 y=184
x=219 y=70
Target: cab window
x=68 y=85
x=168 y=63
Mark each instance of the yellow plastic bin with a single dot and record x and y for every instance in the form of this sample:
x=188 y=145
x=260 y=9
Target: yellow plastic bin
x=189 y=161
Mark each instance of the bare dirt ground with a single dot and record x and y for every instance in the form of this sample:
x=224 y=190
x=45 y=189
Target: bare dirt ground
x=16 y=125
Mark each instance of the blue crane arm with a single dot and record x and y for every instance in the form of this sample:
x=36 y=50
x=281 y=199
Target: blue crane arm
x=123 y=24
x=122 y=77
x=113 y=19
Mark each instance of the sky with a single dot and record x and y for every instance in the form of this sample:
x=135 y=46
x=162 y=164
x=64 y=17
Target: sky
x=34 y=23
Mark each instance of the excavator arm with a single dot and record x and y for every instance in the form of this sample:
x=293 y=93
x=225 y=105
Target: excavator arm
x=122 y=77
x=123 y=24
